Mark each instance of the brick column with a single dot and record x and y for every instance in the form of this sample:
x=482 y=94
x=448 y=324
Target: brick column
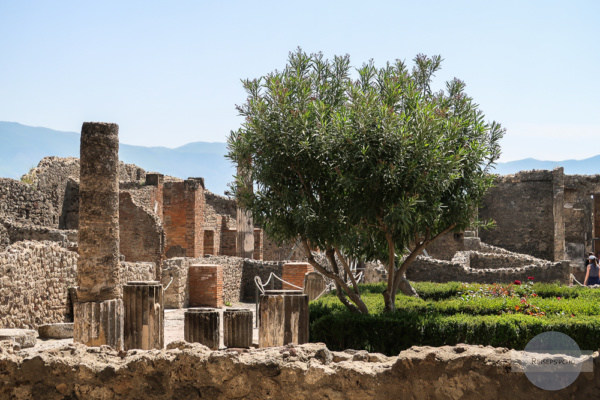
x=294 y=273
x=206 y=285
x=98 y=318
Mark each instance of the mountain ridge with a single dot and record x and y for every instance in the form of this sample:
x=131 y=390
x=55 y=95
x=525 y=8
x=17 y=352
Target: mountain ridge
x=22 y=147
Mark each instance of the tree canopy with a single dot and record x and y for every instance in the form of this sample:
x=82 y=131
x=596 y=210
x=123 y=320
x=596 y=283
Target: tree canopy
x=372 y=164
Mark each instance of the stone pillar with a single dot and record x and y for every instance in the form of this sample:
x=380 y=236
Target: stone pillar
x=237 y=327
x=144 y=315
x=558 y=208
x=283 y=318
x=98 y=315
x=201 y=325
x=205 y=285
x=244 y=224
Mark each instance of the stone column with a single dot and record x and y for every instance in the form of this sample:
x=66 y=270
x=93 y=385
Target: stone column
x=98 y=318
x=144 y=315
x=202 y=325
x=237 y=327
x=283 y=318
x=244 y=223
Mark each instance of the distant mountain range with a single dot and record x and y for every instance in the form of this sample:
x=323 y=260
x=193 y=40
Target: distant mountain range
x=22 y=147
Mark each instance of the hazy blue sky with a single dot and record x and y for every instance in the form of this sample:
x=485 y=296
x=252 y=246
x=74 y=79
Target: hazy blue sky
x=168 y=72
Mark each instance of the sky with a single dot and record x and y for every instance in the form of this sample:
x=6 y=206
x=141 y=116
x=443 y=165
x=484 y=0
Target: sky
x=168 y=72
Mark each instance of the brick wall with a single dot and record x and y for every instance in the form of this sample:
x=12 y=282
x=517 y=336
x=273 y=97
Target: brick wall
x=183 y=206
x=206 y=285
x=227 y=244
x=294 y=274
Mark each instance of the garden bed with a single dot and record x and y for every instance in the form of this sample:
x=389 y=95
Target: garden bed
x=451 y=313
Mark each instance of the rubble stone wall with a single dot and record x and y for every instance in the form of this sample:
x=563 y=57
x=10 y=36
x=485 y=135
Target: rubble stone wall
x=523 y=207
x=432 y=270
x=34 y=278
x=141 y=234
x=23 y=202
x=309 y=371
x=12 y=232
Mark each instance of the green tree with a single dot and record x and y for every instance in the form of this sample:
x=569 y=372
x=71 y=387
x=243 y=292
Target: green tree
x=375 y=167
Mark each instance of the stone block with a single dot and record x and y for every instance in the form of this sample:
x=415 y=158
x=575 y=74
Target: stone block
x=62 y=330
x=23 y=337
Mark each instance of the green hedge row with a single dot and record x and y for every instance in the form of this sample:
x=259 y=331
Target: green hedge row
x=390 y=334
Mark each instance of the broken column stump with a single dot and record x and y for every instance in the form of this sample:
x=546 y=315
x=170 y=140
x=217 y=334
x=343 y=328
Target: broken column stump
x=237 y=327
x=206 y=285
x=201 y=325
x=283 y=318
x=144 y=315
x=99 y=323
x=98 y=315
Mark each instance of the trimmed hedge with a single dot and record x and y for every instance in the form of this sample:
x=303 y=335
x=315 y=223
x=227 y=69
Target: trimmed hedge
x=451 y=313
x=390 y=334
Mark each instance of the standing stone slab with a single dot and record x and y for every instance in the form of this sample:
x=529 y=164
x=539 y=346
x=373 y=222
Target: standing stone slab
x=144 y=315
x=237 y=327
x=283 y=318
x=314 y=285
x=98 y=315
x=201 y=325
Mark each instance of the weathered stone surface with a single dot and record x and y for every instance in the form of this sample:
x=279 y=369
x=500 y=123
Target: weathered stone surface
x=237 y=327
x=62 y=330
x=190 y=370
x=143 y=315
x=98 y=266
x=23 y=337
x=201 y=325
x=99 y=323
x=283 y=318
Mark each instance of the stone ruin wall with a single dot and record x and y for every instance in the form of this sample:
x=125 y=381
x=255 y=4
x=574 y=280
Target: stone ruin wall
x=523 y=208
x=21 y=202
x=309 y=371
x=488 y=268
x=238 y=278
x=34 y=278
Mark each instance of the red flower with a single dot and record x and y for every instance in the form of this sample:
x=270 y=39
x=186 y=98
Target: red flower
x=533 y=294
x=517 y=282
x=558 y=298
x=523 y=300
x=530 y=278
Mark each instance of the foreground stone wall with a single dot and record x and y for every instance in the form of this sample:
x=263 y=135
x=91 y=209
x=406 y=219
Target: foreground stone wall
x=34 y=278
x=310 y=371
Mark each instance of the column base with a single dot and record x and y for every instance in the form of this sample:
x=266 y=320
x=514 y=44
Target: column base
x=98 y=323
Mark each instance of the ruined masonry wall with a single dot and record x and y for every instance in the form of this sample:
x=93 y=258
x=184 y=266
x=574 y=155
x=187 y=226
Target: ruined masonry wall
x=22 y=202
x=34 y=278
x=12 y=232
x=523 y=208
x=309 y=371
